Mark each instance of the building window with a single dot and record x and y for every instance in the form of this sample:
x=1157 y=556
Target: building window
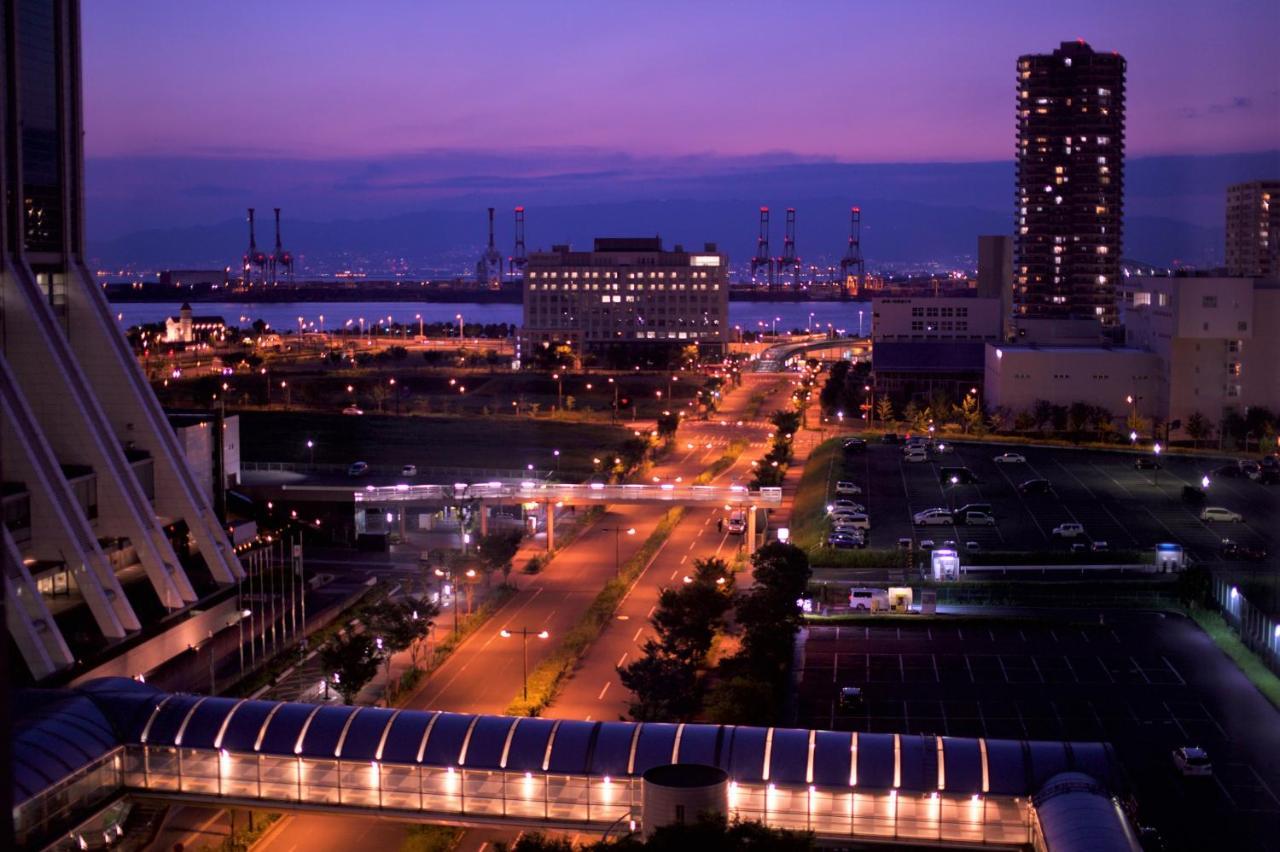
x=1209 y=302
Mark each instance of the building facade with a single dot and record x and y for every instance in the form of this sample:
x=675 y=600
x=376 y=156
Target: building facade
x=1118 y=379
x=1070 y=183
x=186 y=327
x=1217 y=340
x=1253 y=229
x=935 y=318
x=98 y=499
x=626 y=291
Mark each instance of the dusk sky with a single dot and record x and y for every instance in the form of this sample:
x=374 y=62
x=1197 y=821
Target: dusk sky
x=338 y=110
x=861 y=82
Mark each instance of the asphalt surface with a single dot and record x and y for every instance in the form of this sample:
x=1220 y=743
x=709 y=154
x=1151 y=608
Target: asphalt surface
x=1145 y=682
x=1127 y=508
x=484 y=674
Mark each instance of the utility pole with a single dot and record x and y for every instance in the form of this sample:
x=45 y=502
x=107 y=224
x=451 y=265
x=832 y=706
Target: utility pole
x=524 y=634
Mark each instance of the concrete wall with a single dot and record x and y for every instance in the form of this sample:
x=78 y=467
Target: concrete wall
x=1017 y=376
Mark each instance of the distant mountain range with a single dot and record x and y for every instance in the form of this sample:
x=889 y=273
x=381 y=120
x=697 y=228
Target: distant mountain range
x=399 y=219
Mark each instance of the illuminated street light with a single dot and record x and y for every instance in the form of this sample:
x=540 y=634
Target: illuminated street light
x=524 y=634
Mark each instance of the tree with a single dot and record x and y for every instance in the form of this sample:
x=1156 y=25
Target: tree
x=664 y=686
x=1042 y=413
x=350 y=661
x=785 y=422
x=496 y=550
x=401 y=624
x=884 y=410
x=1198 y=428
x=379 y=393
x=1024 y=421
x=970 y=414
x=708 y=832
x=668 y=423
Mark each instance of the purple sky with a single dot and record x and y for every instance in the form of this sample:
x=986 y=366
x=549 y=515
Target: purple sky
x=850 y=81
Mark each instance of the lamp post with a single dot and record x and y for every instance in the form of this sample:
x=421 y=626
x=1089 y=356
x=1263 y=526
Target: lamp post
x=1156 y=473
x=617 y=538
x=311 y=448
x=458 y=317
x=524 y=633
x=447 y=574
x=559 y=391
x=418 y=317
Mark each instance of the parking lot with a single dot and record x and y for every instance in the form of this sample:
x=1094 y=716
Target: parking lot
x=1145 y=682
x=1126 y=508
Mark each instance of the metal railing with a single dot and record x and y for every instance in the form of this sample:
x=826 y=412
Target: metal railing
x=527 y=490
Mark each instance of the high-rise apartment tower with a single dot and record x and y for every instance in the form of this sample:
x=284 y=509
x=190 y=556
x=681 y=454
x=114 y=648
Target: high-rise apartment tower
x=1070 y=184
x=1253 y=229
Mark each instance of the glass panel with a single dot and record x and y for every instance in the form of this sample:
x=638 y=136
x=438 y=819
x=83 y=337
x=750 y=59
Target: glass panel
x=239 y=774
x=526 y=794
x=482 y=791
x=135 y=765
x=441 y=790
x=568 y=797
x=360 y=781
x=609 y=801
x=830 y=811
x=788 y=807
x=873 y=814
x=319 y=781
x=400 y=787
x=162 y=768
x=199 y=771
x=279 y=777
x=962 y=818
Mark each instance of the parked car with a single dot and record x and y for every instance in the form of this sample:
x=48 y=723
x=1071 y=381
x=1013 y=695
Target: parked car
x=1145 y=463
x=1192 y=760
x=1193 y=496
x=984 y=508
x=737 y=523
x=409 y=470
x=979 y=519
x=962 y=476
x=844 y=486
x=351 y=409
x=358 y=469
x=944 y=449
x=916 y=456
x=842 y=504
x=1099 y=546
x=1227 y=471
x=855 y=445
x=846 y=529
x=848 y=507
x=890 y=438
x=1251 y=469
x=1036 y=486
x=1236 y=550
x=845 y=541
x=1010 y=458
x=1220 y=514
x=932 y=517
x=927 y=544
x=858 y=520
x=972 y=547
x=850 y=698
x=1068 y=530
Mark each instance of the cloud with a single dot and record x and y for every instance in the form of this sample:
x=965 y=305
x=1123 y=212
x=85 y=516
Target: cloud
x=1239 y=103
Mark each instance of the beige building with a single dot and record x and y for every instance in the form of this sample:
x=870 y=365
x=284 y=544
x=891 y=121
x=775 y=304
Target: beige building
x=1018 y=375
x=626 y=291
x=1218 y=341
x=934 y=318
x=1253 y=229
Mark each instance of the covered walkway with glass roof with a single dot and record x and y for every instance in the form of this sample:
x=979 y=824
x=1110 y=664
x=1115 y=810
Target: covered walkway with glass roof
x=116 y=736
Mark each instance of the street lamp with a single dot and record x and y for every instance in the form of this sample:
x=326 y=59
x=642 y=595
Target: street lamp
x=1156 y=478
x=617 y=537
x=556 y=453
x=458 y=317
x=559 y=391
x=524 y=634
x=1204 y=482
x=311 y=448
x=447 y=574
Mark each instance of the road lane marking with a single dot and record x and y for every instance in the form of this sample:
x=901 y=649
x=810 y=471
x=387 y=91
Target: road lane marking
x=636 y=638
x=1176 y=673
x=683 y=558
x=600 y=697
x=622 y=659
x=1141 y=670
x=651 y=611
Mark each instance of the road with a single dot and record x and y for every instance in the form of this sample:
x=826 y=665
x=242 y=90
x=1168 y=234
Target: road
x=484 y=674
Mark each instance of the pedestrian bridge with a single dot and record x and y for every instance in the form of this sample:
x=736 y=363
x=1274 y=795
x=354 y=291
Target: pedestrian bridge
x=533 y=491
x=76 y=750
x=778 y=357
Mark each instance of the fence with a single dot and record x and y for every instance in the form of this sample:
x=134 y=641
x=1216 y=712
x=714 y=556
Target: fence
x=1259 y=631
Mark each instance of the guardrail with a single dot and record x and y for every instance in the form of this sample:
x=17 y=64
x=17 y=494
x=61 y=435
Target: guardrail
x=527 y=490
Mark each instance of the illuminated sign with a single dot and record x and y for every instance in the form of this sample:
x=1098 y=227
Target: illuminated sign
x=705 y=260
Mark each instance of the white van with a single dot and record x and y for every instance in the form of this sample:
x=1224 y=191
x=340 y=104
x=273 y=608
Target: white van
x=916 y=455
x=737 y=522
x=871 y=600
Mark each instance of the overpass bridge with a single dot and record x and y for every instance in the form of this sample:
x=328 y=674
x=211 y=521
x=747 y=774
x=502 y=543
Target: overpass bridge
x=778 y=357
x=75 y=751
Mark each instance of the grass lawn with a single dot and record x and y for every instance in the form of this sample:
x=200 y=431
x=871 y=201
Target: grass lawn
x=810 y=507
x=1227 y=639
x=281 y=436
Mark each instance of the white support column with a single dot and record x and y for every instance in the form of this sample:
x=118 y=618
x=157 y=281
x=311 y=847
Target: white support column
x=751 y=530
x=60 y=530
x=135 y=414
x=551 y=526
x=71 y=419
x=32 y=627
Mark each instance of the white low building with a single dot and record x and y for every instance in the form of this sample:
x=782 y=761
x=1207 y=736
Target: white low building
x=1019 y=375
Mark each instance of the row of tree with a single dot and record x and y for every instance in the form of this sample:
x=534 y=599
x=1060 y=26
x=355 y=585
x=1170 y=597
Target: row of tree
x=667 y=681
x=707 y=833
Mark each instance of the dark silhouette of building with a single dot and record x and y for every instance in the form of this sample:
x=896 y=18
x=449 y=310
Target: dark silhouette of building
x=1070 y=184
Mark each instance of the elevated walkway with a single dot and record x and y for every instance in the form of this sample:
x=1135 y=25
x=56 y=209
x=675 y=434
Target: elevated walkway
x=115 y=737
